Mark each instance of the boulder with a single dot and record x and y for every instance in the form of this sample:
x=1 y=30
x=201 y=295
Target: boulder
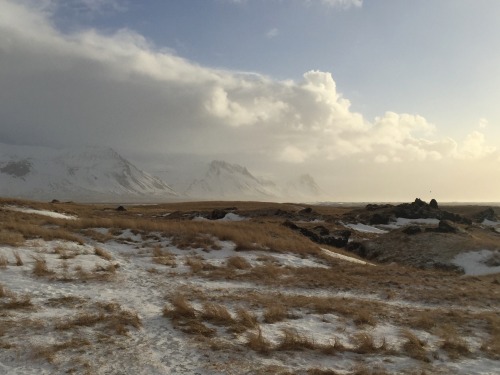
x=217 y=214
x=120 y=208
x=412 y=229
x=434 y=204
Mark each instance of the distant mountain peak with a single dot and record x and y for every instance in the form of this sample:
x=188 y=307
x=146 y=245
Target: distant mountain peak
x=87 y=173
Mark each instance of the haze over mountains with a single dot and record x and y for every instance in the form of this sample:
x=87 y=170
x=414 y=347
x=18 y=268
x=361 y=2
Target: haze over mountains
x=101 y=174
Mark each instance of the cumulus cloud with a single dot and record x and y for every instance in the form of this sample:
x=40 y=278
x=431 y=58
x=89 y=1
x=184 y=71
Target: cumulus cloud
x=344 y=4
x=273 y=33
x=118 y=90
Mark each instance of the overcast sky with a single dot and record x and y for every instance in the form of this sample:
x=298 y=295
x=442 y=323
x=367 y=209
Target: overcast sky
x=378 y=100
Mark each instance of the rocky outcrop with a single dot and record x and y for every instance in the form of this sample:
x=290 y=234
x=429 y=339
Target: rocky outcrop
x=487 y=214
x=375 y=214
x=321 y=234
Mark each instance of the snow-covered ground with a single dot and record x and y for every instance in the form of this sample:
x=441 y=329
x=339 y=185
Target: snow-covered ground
x=483 y=262
x=53 y=214
x=126 y=277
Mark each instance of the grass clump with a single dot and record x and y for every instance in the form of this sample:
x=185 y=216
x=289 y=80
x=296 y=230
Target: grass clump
x=216 y=314
x=40 y=267
x=3 y=261
x=293 y=340
x=17 y=257
x=275 y=312
x=100 y=252
x=414 y=347
x=238 y=262
x=258 y=343
x=164 y=258
x=181 y=308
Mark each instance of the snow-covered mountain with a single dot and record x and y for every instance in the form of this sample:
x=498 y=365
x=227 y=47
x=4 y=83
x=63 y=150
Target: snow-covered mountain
x=87 y=174
x=231 y=181
x=305 y=187
x=223 y=180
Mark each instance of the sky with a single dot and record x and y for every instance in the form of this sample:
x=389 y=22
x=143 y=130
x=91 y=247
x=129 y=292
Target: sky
x=383 y=100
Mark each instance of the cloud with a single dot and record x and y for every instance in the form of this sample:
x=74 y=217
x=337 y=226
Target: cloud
x=483 y=123
x=273 y=33
x=343 y=4
x=118 y=90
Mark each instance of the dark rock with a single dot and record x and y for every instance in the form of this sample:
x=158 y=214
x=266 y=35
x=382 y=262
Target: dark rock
x=443 y=227
x=357 y=248
x=120 y=208
x=412 y=229
x=55 y=201
x=307 y=210
x=321 y=230
x=217 y=214
x=419 y=202
x=320 y=235
x=434 y=204
x=487 y=214
x=379 y=219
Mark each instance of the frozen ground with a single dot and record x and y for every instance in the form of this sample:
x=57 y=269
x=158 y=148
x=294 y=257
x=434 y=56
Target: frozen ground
x=98 y=308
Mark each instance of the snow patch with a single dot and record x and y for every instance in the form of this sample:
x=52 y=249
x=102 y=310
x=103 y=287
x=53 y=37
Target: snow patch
x=53 y=214
x=345 y=257
x=365 y=228
x=483 y=262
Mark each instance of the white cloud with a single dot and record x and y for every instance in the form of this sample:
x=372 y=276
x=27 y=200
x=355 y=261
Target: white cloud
x=483 y=123
x=344 y=4
x=273 y=33
x=119 y=91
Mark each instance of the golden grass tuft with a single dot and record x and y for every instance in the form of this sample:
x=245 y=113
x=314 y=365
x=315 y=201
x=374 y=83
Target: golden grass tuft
x=49 y=352
x=3 y=261
x=258 y=343
x=238 y=262
x=111 y=316
x=10 y=238
x=414 y=347
x=100 y=252
x=181 y=308
x=365 y=344
x=216 y=314
x=40 y=267
x=293 y=340
x=275 y=312
x=17 y=257
x=454 y=345
x=163 y=257
x=246 y=318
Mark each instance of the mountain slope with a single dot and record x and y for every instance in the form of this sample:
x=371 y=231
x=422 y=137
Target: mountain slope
x=90 y=173
x=230 y=181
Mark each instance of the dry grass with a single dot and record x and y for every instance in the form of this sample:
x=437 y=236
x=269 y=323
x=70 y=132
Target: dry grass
x=246 y=318
x=293 y=340
x=275 y=312
x=258 y=343
x=454 y=345
x=16 y=303
x=181 y=308
x=361 y=369
x=110 y=316
x=163 y=257
x=492 y=345
x=238 y=262
x=216 y=314
x=17 y=257
x=40 y=267
x=414 y=347
x=10 y=238
x=3 y=261
x=50 y=352
x=100 y=252
x=364 y=344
